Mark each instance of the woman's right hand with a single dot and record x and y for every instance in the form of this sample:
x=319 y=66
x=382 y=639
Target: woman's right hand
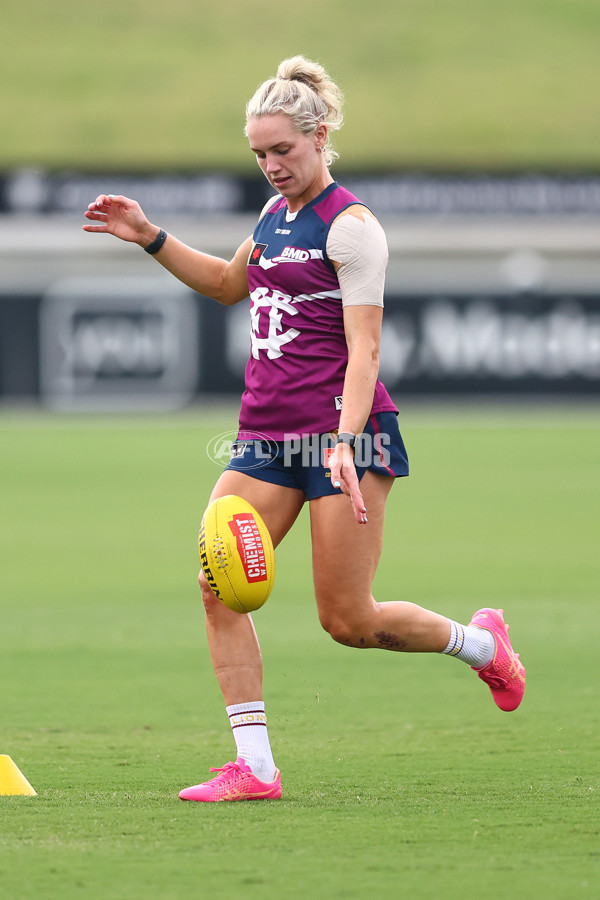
x=122 y=217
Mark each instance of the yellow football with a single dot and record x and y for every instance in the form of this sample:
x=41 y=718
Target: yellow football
x=236 y=553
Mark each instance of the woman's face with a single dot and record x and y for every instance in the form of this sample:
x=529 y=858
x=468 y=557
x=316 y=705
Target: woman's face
x=292 y=162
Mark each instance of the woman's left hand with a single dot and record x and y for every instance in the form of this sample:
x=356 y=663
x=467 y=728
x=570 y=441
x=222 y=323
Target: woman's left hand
x=344 y=477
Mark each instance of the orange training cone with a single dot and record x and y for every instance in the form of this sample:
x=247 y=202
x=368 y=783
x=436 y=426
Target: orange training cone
x=12 y=780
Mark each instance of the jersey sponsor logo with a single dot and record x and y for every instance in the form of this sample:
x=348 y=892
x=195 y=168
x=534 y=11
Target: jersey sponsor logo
x=297 y=255
x=288 y=255
x=256 y=254
x=338 y=402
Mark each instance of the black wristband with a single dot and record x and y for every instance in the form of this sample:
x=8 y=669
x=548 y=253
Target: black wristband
x=157 y=243
x=346 y=438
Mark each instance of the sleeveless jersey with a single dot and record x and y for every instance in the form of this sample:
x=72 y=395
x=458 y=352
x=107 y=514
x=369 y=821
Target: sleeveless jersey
x=298 y=358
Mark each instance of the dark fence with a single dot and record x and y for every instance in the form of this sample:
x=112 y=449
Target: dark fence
x=141 y=344
x=409 y=193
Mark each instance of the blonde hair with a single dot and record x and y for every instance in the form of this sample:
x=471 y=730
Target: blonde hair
x=302 y=90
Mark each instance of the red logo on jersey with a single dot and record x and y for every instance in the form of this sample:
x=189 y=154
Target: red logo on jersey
x=327 y=453
x=256 y=253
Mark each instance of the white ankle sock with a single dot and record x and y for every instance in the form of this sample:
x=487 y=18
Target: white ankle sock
x=475 y=646
x=249 y=725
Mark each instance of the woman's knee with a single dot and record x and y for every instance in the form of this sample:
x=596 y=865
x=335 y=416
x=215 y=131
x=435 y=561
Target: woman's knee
x=344 y=630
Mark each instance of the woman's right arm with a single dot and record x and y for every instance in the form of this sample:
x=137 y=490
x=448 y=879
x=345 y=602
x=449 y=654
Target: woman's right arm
x=224 y=281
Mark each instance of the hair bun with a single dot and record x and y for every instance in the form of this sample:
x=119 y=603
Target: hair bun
x=298 y=68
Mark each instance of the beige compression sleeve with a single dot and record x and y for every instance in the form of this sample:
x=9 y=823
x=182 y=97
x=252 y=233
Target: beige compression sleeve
x=359 y=246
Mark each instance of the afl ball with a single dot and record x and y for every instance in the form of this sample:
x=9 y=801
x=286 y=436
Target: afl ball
x=236 y=553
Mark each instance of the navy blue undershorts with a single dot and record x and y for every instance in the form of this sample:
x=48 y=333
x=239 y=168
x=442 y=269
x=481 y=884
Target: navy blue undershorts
x=301 y=462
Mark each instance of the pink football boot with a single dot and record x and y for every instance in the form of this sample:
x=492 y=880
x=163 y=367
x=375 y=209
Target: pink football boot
x=235 y=781
x=505 y=674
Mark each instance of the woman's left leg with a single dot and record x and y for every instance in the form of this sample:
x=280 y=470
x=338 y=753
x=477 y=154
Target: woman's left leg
x=345 y=558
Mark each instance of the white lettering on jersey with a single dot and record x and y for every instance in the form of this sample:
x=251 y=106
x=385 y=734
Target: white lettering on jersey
x=290 y=255
x=295 y=254
x=275 y=302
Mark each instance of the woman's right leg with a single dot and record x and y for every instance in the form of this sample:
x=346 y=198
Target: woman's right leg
x=232 y=640
x=237 y=662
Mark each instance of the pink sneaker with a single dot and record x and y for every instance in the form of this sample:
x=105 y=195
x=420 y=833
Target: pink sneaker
x=235 y=782
x=505 y=674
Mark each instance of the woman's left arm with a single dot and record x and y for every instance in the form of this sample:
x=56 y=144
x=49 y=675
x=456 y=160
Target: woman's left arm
x=358 y=250
x=362 y=325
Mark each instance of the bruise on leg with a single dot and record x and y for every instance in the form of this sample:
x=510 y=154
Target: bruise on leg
x=389 y=641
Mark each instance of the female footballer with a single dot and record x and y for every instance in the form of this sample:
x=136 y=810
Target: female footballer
x=314 y=271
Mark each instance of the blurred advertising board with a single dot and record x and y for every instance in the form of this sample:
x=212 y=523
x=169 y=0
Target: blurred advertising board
x=411 y=193
x=122 y=343
x=135 y=344
x=462 y=345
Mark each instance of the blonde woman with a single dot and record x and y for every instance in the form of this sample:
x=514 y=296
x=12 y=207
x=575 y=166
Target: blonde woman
x=314 y=407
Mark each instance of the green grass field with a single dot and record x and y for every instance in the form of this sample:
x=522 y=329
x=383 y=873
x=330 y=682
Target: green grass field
x=401 y=777
x=492 y=83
